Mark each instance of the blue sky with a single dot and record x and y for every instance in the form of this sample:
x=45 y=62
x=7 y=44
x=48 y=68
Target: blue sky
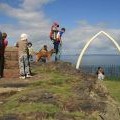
x=81 y=18
x=93 y=11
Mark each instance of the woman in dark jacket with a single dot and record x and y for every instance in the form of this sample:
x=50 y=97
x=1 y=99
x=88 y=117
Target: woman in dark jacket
x=3 y=44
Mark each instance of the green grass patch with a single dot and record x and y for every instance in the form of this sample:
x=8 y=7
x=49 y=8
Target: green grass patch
x=57 y=85
x=113 y=78
x=75 y=114
x=79 y=115
x=53 y=79
x=60 y=80
x=63 y=91
x=54 y=82
x=43 y=69
x=113 y=88
x=14 y=107
x=39 y=107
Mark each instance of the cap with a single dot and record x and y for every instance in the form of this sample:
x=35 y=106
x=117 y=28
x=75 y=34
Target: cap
x=24 y=36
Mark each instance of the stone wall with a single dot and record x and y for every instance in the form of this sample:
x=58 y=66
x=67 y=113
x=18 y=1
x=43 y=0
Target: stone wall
x=11 y=69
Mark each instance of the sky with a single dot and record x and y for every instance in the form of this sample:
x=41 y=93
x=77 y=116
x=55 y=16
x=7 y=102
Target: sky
x=81 y=18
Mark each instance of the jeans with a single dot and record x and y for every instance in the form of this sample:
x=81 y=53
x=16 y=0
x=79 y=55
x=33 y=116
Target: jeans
x=57 y=47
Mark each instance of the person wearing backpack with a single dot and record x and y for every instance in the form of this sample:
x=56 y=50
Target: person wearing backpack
x=54 y=31
x=58 y=43
x=3 y=44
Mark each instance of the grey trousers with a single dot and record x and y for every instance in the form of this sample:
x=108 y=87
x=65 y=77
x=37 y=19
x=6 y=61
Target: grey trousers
x=24 y=65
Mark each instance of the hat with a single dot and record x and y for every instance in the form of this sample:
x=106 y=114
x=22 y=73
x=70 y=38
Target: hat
x=24 y=36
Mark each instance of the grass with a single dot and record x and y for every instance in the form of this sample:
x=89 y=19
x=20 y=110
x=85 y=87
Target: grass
x=14 y=107
x=56 y=83
x=59 y=85
x=39 y=107
x=113 y=87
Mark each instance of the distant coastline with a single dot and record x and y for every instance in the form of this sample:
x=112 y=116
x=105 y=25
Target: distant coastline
x=92 y=54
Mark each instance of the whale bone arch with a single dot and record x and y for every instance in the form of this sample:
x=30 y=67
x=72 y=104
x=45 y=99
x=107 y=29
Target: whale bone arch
x=88 y=43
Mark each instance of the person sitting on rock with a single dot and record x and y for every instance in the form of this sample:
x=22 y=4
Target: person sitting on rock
x=44 y=50
x=100 y=73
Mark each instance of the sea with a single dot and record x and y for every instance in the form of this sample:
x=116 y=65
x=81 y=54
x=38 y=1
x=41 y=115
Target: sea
x=93 y=59
x=90 y=63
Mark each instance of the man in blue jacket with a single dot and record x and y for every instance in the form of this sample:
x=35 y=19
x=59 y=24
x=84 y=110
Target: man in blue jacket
x=58 y=43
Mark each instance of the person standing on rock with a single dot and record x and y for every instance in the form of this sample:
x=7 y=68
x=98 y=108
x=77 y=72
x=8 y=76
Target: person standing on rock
x=55 y=36
x=58 y=44
x=54 y=30
x=3 y=44
x=23 y=52
x=31 y=51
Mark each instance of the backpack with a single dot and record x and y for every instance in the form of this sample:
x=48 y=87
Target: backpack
x=54 y=31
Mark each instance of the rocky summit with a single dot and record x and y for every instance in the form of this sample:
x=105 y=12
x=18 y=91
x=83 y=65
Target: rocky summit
x=57 y=91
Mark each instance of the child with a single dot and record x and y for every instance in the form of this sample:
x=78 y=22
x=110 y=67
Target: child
x=3 y=44
x=100 y=73
x=31 y=51
x=24 y=65
x=44 y=50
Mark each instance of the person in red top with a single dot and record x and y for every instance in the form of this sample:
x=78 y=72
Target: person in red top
x=4 y=43
x=54 y=31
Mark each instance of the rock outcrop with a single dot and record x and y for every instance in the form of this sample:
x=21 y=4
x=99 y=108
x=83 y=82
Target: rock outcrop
x=71 y=94
x=11 y=63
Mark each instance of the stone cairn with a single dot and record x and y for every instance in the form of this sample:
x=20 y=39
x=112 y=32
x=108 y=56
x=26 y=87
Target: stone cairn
x=11 y=69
